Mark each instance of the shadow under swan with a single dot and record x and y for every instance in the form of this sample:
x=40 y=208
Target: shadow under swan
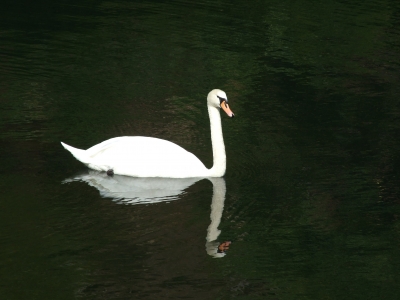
x=141 y=190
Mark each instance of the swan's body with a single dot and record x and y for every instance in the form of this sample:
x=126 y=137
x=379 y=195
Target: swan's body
x=139 y=156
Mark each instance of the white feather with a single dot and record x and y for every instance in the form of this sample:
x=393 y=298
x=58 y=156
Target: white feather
x=151 y=157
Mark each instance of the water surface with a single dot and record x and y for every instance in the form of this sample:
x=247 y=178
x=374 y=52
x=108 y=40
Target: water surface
x=310 y=199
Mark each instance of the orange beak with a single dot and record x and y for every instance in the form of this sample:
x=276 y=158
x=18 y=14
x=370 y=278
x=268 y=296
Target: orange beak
x=226 y=109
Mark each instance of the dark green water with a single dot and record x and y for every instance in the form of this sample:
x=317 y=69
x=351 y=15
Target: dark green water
x=312 y=185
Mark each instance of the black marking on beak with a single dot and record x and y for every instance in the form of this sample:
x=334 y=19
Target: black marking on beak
x=222 y=100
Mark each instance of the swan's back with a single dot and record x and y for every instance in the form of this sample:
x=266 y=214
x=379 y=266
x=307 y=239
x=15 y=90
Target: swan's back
x=144 y=157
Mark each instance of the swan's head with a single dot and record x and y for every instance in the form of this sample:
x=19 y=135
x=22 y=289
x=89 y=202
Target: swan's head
x=217 y=249
x=218 y=98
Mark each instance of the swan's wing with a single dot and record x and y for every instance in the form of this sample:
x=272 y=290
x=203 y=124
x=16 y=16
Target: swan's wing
x=146 y=157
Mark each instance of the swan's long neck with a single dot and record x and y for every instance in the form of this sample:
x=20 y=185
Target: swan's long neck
x=217 y=140
x=217 y=206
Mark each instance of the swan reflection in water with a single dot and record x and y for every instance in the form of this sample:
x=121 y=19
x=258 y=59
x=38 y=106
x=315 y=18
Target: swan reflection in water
x=134 y=190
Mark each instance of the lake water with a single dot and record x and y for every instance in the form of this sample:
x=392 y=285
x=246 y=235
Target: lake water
x=310 y=199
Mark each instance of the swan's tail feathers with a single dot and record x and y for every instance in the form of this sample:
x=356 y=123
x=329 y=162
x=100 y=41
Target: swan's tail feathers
x=79 y=154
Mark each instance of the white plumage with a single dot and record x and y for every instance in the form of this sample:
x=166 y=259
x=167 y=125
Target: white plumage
x=139 y=156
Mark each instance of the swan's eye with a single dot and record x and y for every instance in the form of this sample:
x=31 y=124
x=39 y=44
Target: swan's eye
x=221 y=100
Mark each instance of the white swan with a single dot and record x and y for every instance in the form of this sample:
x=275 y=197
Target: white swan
x=139 y=156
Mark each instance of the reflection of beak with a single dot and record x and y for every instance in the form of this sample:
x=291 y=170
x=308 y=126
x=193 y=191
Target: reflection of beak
x=224 y=246
x=226 y=108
